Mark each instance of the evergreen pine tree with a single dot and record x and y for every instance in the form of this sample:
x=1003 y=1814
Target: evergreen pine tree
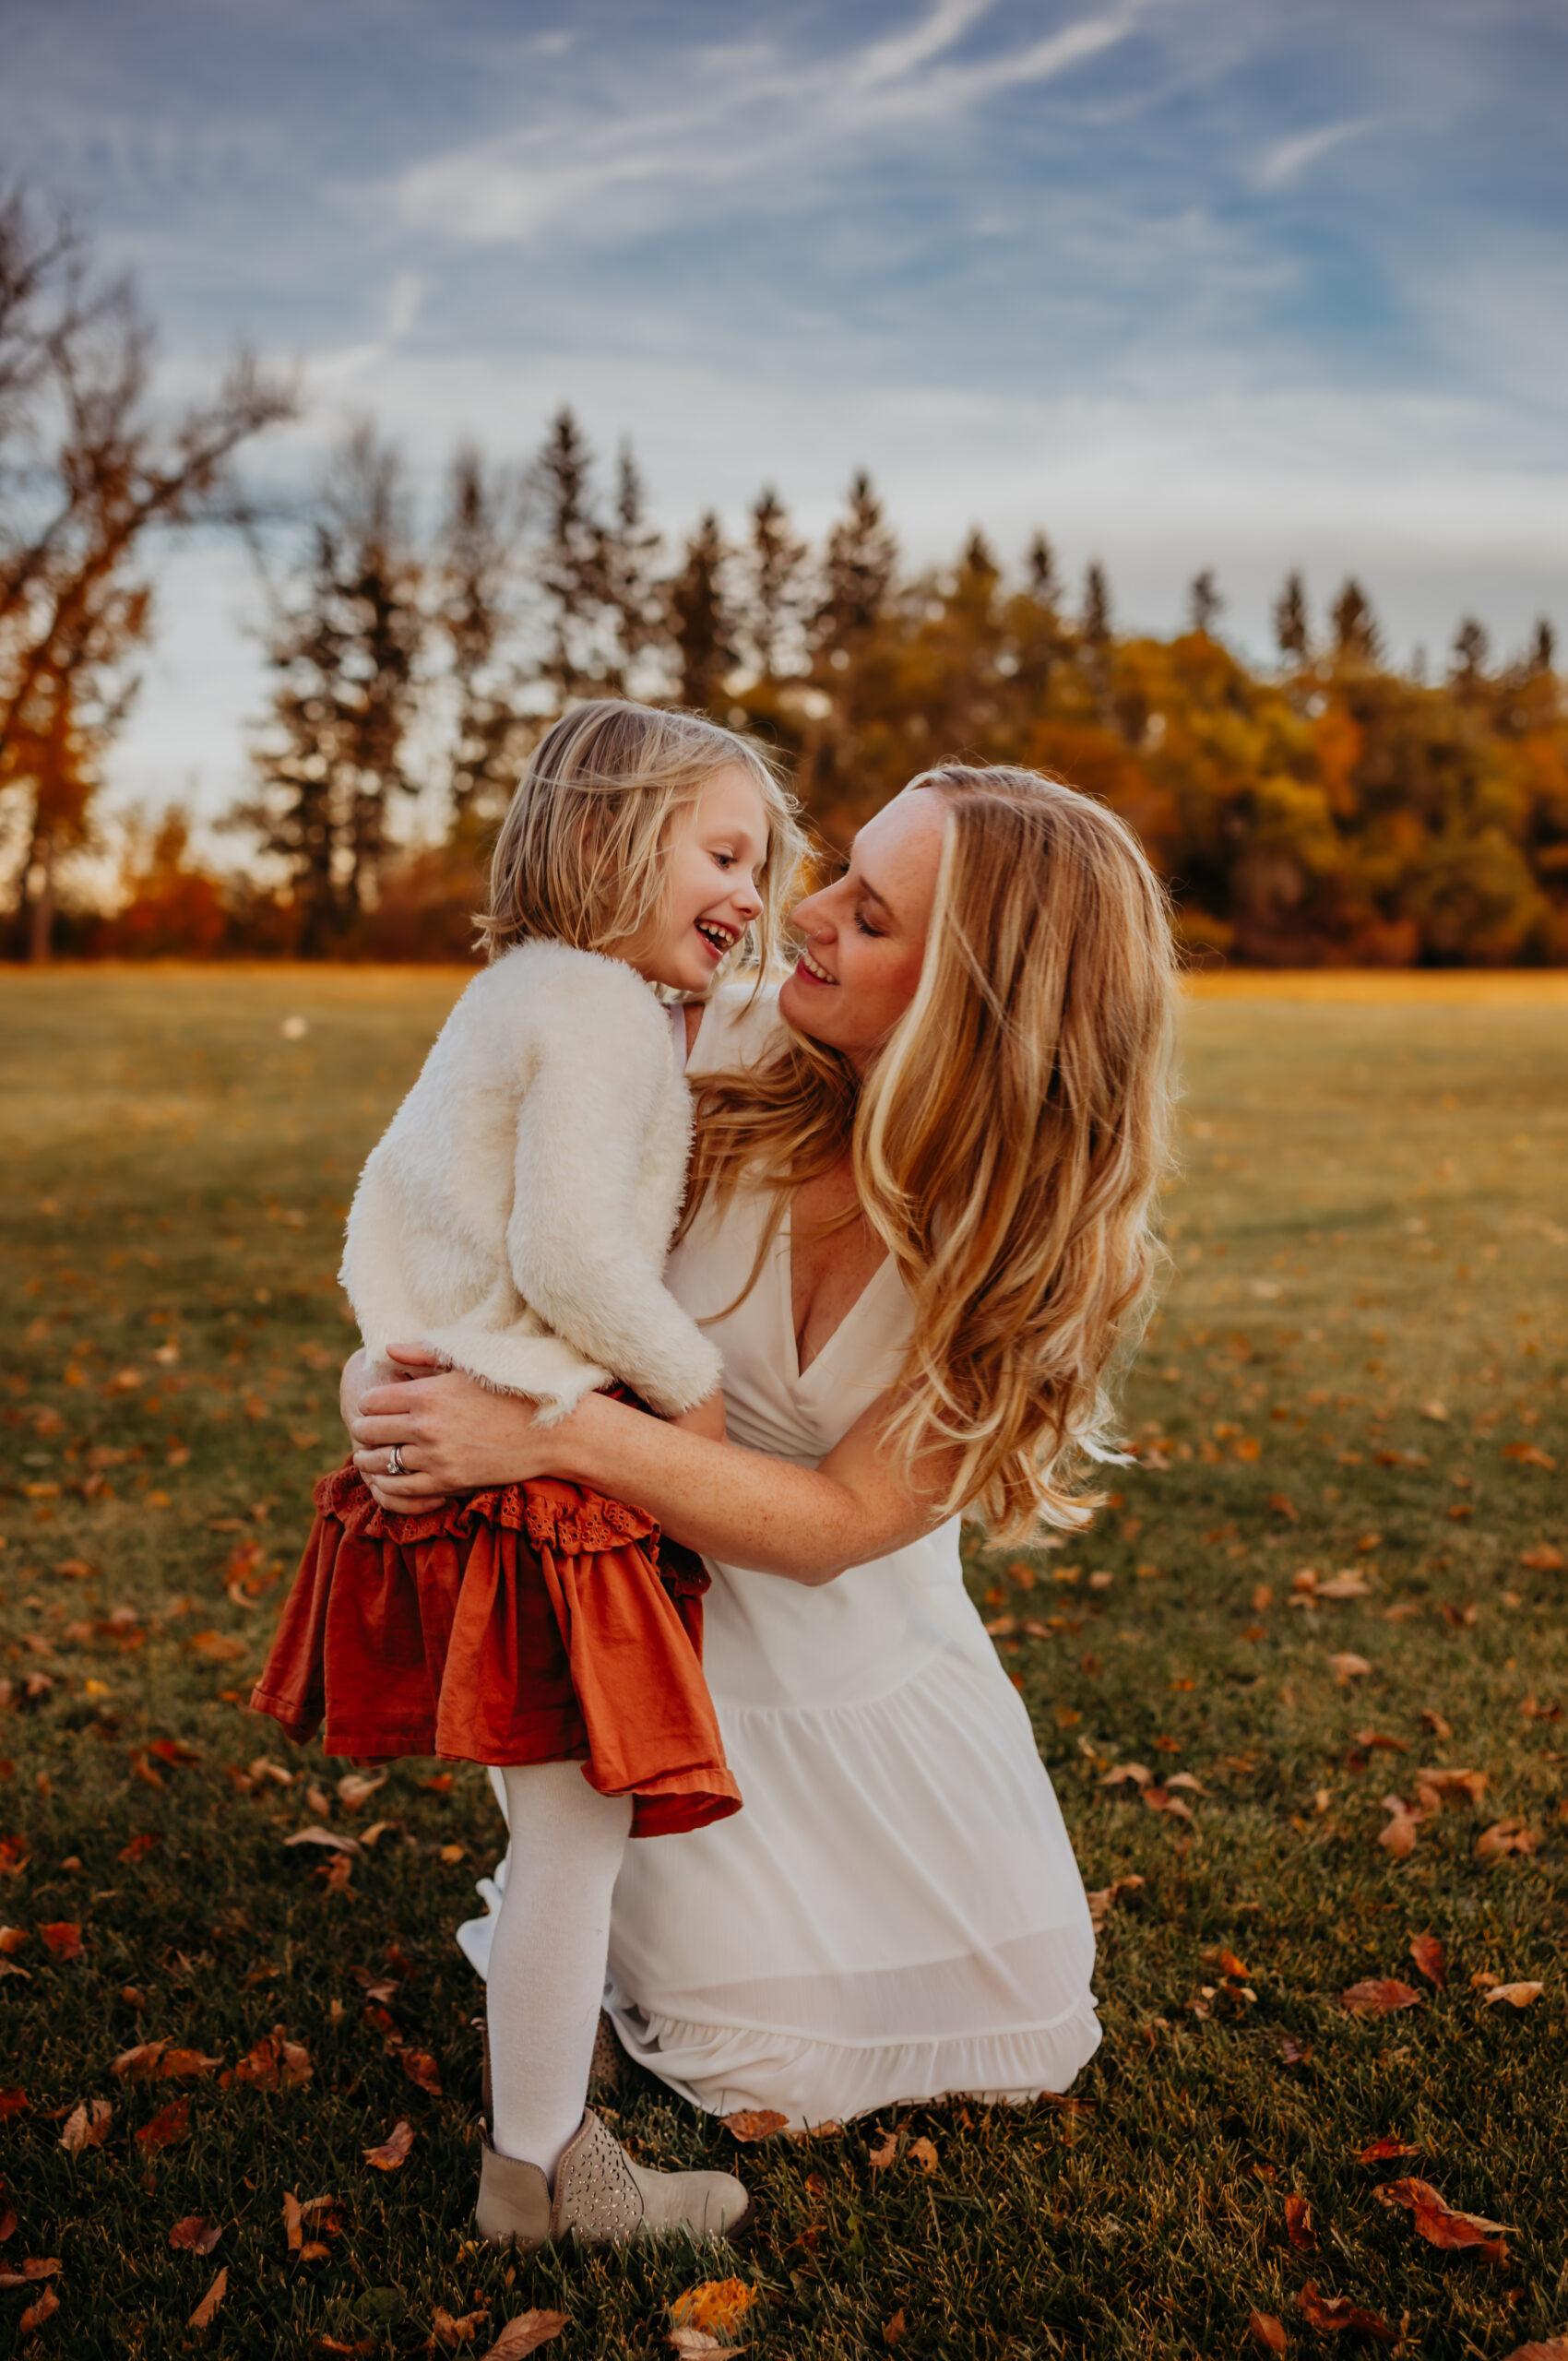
x=629 y=554
x=775 y=563
x=857 y=572
x=1291 y=627
x=1040 y=564
x=346 y=653
x=700 y=617
x=1095 y=623
x=570 y=562
x=1471 y=647
x=477 y=569
x=1204 y=604
x=1357 y=639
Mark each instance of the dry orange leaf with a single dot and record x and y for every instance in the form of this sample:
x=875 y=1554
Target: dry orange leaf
x=1377 y=2152
x=1376 y=1996
x=884 y=2153
x=1427 y=1952
x=715 y=2305
x=1518 y=1996
x=1554 y=2348
x=356 y=1790
x=210 y=2301
x=13 y=1938
x=895 y=2331
x=196 y=2234
x=923 y=2152
x=1333 y=2314
x=393 y=2150
x=1543 y=1558
x=695 y=2344
x=87 y=2126
x=525 y=2334
x=326 y=1836
x=1398 y=1835
x=36 y=2314
x=1440 y=2224
x=273 y=2063
x=1451 y=1787
x=63 y=1939
x=1435 y=1723
x=754 y=2123
x=28 y=2273
x=13 y=2100
x=171 y=2123
x=1265 y=2332
x=1347 y=1665
x=1099 y=1902
x=1504 y=1837
x=422 y=2068
x=1299 y=2224
x=459 y=2330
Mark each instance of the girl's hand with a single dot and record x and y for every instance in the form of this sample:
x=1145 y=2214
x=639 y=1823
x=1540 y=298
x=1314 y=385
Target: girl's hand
x=454 y=1435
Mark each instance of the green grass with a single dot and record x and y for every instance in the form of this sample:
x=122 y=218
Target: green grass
x=1371 y=1217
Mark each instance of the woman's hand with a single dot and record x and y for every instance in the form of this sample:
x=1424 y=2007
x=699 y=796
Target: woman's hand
x=454 y=1434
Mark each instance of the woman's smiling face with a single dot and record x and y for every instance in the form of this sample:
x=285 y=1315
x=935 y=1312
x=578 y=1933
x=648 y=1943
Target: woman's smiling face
x=864 y=937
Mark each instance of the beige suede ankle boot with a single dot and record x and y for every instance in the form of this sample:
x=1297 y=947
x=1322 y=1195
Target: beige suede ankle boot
x=600 y=2196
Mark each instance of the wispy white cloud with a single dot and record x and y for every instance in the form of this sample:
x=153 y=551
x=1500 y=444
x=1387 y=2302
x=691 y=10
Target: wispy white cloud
x=339 y=367
x=1288 y=159
x=755 y=116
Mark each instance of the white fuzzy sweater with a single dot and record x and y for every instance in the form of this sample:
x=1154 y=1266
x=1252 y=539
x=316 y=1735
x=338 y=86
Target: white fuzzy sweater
x=518 y=1213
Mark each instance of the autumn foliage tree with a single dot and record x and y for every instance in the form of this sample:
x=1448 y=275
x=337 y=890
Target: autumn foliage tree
x=90 y=470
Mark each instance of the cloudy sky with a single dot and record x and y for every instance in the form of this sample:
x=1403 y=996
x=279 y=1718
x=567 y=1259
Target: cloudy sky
x=1248 y=283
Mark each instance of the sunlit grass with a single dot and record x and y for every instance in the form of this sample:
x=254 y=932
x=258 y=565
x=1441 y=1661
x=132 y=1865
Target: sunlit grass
x=1371 y=1228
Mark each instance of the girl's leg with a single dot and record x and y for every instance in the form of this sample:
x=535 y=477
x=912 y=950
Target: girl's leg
x=547 y=1959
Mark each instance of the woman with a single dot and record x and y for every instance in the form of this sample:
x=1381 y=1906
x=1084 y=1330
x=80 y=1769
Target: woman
x=918 y=1230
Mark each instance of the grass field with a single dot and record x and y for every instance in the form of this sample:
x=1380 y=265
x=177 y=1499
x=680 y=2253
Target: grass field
x=1359 y=1367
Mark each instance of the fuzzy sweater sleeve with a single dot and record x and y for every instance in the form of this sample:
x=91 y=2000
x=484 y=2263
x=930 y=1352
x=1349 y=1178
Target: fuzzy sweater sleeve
x=573 y=1239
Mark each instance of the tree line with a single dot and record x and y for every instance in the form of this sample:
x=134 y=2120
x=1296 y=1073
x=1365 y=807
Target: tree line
x=1327 y=805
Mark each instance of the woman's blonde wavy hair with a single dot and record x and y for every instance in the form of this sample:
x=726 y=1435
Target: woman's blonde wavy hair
x=580 y=856
x=1007 y=1141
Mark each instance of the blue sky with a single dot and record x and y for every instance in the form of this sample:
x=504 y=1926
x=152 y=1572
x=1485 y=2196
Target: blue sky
x=1188 y=282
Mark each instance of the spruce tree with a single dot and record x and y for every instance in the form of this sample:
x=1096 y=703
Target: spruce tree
x=1095 y=623
x=1204 y=604
x=700 y=617
x=1291 y=627
x=477 y=568
x=858 y=572
x=1357 y=639
x=774 y=579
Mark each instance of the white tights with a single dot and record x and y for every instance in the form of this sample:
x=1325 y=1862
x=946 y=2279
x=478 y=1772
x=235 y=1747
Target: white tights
x=546 y=1958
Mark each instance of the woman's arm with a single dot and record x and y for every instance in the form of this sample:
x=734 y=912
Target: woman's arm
x=808 y=1524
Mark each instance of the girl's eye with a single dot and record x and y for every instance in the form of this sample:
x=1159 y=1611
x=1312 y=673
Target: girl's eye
x=725 y=859
x=873 y=931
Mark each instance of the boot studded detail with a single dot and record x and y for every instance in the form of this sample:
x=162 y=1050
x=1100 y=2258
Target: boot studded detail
x=600 y=2196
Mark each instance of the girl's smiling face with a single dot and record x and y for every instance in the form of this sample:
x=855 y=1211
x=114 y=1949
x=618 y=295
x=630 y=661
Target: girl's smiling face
x=716 y=849
x=864 y=937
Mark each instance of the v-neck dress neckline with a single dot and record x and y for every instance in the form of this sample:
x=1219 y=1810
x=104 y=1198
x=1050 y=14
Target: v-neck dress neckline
x=790 y=1342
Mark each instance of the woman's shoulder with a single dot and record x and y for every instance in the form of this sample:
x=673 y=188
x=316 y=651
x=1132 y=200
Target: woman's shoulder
x=740 y=1024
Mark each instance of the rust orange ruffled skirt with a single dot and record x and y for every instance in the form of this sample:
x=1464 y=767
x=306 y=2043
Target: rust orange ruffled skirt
x=535 y=1622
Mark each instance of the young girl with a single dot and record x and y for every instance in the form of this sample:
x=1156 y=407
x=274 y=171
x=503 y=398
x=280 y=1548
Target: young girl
x=515 y=1218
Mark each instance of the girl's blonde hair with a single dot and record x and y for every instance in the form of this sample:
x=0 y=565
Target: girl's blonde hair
x=580 y=856
x=1007 y=1142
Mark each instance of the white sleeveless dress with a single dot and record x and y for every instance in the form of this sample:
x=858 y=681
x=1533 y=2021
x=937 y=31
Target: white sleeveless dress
x=896 y=1914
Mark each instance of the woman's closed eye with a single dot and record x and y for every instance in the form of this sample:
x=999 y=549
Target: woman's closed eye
x=865 y=927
